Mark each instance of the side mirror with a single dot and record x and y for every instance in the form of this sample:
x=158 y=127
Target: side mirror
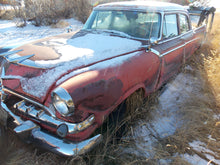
x=153 y=40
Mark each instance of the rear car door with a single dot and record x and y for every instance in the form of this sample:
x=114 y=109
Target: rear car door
x=186 y=35
x=171 y=48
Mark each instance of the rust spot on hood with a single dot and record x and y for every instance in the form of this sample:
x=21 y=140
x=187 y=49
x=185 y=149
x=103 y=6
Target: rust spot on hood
x=41 y=52
x=41 y=48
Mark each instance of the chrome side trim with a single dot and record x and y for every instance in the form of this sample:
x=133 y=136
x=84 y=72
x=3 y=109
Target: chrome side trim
x=200 y=27
x=179 y=36
x=178 y=47
x=172 y=50
x=51 y=112
x=53 y=122
x=155 y=51
x=191 y=41
x=161 y=55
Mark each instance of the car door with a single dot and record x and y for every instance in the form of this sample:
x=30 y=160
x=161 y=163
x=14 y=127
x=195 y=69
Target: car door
x=186 y=35
x=171 y=47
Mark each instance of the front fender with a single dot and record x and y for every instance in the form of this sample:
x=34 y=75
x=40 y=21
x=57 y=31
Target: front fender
x=94 y=92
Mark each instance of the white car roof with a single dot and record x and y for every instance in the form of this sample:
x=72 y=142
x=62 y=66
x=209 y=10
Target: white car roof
x=140 y=5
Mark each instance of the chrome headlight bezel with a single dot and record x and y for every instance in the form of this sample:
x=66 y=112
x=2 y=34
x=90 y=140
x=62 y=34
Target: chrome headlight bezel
x=62 y=101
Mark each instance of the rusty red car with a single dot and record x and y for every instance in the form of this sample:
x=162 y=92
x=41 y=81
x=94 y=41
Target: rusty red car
x=55 y=92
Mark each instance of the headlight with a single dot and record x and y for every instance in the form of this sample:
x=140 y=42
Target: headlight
x=62 y=101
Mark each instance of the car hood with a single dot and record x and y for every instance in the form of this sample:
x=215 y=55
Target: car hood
x=58 y=56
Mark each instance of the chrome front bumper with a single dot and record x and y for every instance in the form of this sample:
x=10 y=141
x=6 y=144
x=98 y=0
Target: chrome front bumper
x=35 y=111
x=32 y=132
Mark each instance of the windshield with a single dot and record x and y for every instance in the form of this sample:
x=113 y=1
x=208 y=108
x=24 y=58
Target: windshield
x=134 y=23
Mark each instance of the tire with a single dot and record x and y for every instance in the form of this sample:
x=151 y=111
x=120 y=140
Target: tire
x=126 y=112
x=115 y=126
x=133 y=102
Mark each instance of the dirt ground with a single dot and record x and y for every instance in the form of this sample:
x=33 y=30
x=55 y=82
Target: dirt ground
x=194 y=117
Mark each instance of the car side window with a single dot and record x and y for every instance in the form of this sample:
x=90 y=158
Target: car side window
x=184 y=23
x=170 y=28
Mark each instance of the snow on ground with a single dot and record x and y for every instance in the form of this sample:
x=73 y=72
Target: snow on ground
x=195 y=159
x=165 y=120
x=12 y=36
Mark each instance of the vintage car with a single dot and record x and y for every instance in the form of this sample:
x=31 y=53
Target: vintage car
x=57 y=91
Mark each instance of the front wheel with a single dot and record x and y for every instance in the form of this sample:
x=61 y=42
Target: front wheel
x=134 y=102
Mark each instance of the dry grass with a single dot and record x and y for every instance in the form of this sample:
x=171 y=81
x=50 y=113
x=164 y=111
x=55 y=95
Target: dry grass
x=212 y=63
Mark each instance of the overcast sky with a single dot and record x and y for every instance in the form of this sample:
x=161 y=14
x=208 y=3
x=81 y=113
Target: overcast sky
x=215 y=3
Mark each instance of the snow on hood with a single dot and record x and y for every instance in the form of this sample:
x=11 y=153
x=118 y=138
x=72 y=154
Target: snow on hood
x=83 y=50
x=78 y=52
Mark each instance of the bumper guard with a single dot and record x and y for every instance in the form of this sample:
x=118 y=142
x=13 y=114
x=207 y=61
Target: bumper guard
x=31 y=132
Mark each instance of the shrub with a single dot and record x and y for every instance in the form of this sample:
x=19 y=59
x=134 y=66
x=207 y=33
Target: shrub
x=3 y=1
x=81 y=9
x=41 y=12
x=5 y=12
x=47 y=12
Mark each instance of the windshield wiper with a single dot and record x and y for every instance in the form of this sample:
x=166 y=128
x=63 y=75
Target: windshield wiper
x=113 y=32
